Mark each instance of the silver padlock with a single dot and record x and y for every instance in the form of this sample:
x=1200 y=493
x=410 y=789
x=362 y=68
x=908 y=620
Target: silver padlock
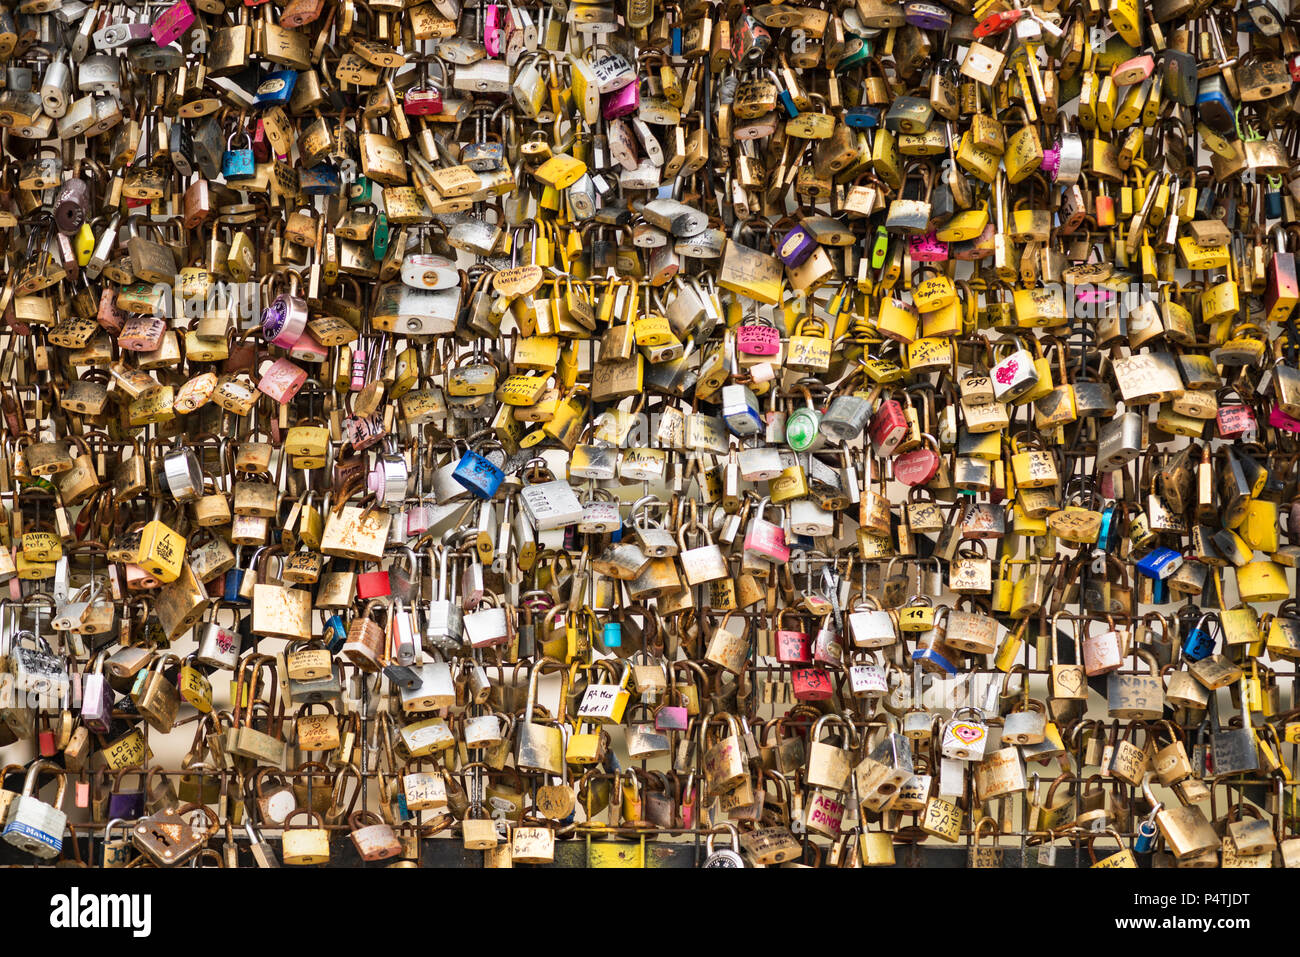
x=99 y=74
x=56 y=88
x=34 y=826
x=437 y=689
x=551 y=505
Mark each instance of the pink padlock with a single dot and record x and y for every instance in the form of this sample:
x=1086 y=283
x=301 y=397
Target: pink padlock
x=142 y=334
x=1092 y=294
x=766 y=538
x=1102 y=653
x=757 y=337
x=137 y=579
x=1051 y=163
x=109 y=316
x=418 y=519
x=492 y=31
x=1280 y=420
x=927 y=248
x=172 y=24
x=621 y=102
x=281 y=380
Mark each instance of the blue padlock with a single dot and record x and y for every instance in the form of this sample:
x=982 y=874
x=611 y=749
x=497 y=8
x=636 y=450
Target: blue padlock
x=935 y=660
x=862 y=117
x=400 y=809
x=1146 y=837
x=1198 y=643
x=1273 y=198
x=1213 y=105
x=676 y=34
x=787 y=103
x=1160 y=562
x=612 y=634
x=276 y=89
x=740 y=411
x=237 y=164
x=478 y=475
x=335 y=633
x=233 y=582
x=1106 y=532
x=1160 y=592
x=321 y=180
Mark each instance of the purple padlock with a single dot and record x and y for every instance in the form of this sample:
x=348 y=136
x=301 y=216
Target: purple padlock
x=284 y=320
x=96 y=701
x=927 y=248
x=796 y=246
x=126 y=805
x=621 y=102
x=172 y=24
x=672 y=717
x=927 y=16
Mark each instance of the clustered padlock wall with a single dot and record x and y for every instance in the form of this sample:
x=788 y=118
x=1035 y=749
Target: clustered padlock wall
x=765 y=435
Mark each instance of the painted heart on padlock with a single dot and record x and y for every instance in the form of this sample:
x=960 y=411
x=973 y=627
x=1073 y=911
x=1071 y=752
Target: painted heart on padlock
x=968 y=733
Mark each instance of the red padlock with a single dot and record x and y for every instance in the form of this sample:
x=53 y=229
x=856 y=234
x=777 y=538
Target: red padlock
x=793 y=646
x=888 y=427
x=45 y=741
x=373 y=585
x=1235 y=420
x=811 y=684
x=261 y=144
x=918 y=466
x=422 y=101
x=997 y=22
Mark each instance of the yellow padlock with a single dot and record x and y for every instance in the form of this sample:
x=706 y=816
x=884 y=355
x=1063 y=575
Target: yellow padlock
x=162 y=550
